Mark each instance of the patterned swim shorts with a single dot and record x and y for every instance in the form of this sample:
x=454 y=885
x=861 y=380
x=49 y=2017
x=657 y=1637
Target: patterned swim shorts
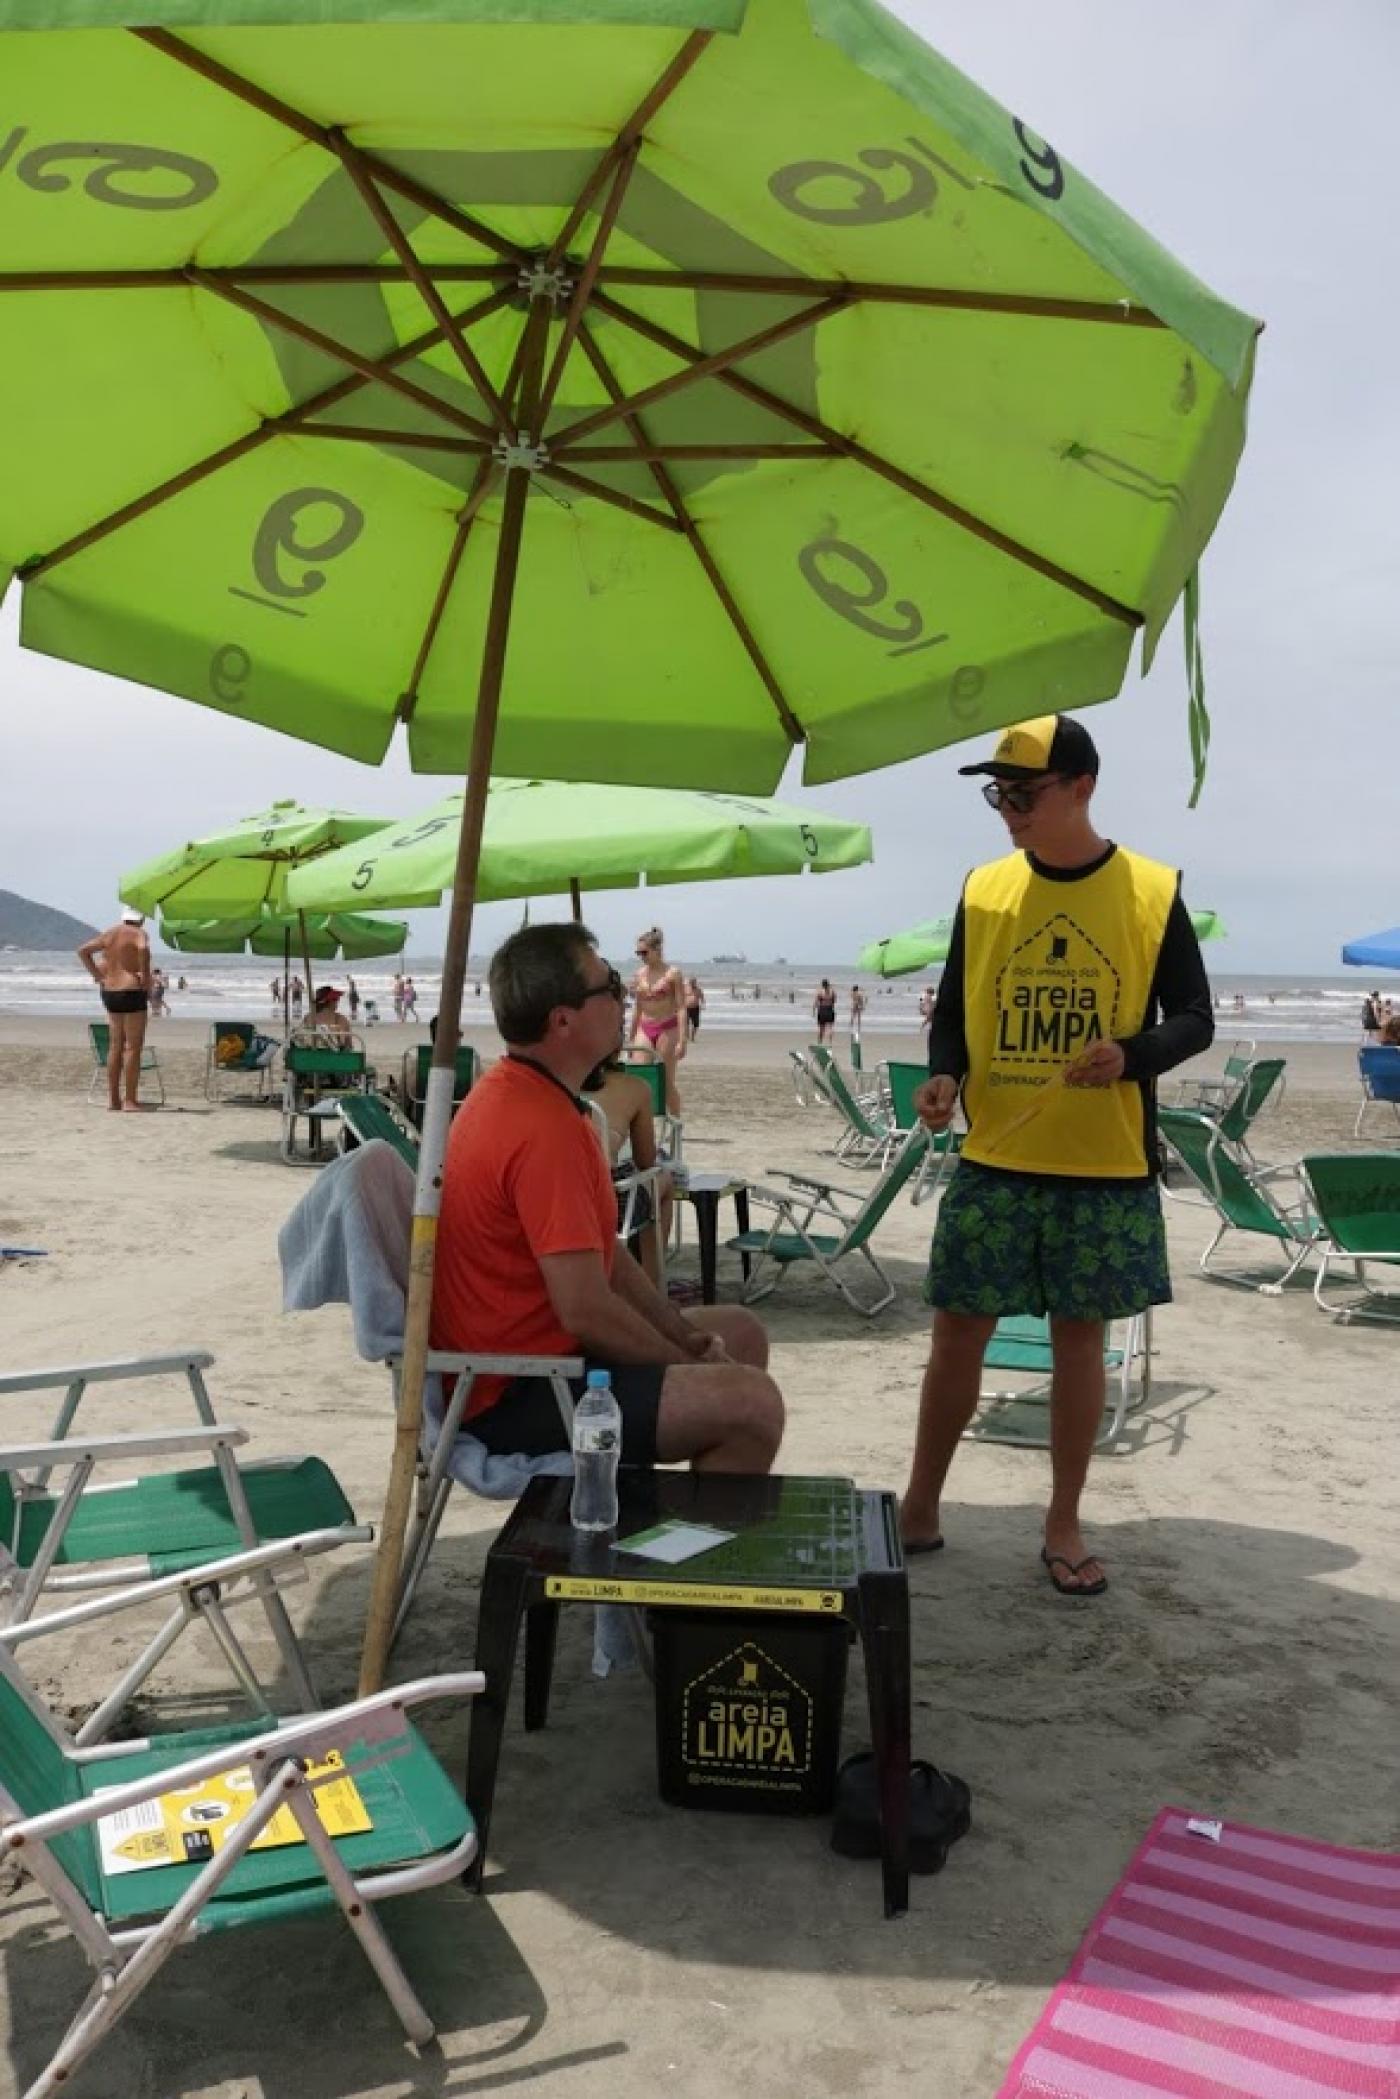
x=1009 y=1244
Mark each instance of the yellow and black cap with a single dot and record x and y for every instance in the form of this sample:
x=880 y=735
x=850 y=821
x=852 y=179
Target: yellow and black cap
x=1053 y=743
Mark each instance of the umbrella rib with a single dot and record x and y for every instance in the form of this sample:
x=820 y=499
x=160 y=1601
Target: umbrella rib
x=466 y=518
x=296 y=120
x=587 y=486
x=273 y=426
x=701 y=366
x=378 y=373
x=630 y=134
x=421 y=440
x=849 y=448
x=649 y=451
x=355 y=165
x=588 y=277
x=663 y=480
x=1111 y=313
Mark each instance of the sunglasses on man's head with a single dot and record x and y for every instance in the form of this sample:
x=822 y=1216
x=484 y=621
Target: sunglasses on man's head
x=1020 y=795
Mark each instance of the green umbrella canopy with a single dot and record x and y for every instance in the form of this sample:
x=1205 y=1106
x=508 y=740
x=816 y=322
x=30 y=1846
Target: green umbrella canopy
x=241 y=872
x=542 y=835
x=925 y=945
x=867 y=421
x=348 y=935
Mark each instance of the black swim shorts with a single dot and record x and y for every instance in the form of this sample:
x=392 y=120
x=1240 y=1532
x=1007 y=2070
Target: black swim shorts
x=126 y=1001
x=525 y=1419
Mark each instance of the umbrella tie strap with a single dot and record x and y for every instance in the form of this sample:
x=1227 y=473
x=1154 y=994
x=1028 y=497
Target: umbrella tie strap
x=1198 y=714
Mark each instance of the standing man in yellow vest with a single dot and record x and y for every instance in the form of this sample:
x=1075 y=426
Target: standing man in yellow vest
x=1073 y=980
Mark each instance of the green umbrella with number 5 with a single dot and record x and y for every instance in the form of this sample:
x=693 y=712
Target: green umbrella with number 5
x=630 y=390
x=241 y=872
x=543 y=837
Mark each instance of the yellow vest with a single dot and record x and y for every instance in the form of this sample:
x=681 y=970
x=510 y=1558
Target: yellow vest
x=1049 y=968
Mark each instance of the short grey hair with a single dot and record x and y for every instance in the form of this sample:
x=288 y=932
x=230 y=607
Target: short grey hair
x=537 y=969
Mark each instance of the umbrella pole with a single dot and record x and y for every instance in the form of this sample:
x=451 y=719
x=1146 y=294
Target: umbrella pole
x=576 y=899
x=287 y=979
x=437 y=1107
x=306 y=963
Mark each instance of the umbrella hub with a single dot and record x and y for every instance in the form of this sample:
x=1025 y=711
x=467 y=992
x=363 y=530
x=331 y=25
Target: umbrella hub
x=521 y=454
x=543 y=280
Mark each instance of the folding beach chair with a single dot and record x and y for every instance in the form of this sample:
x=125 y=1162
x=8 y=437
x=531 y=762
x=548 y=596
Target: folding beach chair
x=85 y=1535
x=1214 y=1090
x=670 y=1129
x=346 y=1242
x=1242 y=1195
x=816 y=1221
x=315 y=1077
x=238 y=1049
x=867 y=1138
x=1379 y=1068
x=413 y=1078
x=100 y=1041
x=1018 y=1414
x=1357 y=1199
x=367 y=1116
x=54 y=1794
x=902 y=1082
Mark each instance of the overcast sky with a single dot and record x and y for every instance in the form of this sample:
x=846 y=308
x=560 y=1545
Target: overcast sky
x=1258 y=139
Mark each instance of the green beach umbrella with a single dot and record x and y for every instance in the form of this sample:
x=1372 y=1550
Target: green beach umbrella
x=329 y=936
x=620 y=389
x=241 y=872
x=543 y=837
x=925 y=945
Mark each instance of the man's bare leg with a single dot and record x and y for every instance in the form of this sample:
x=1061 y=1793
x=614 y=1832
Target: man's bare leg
x=116 y=1041
x=133 y=1043
x=1076 y=1410
x=947 y=1403
x=724 y=1417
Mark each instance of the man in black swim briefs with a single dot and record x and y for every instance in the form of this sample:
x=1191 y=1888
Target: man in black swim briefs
x=119 y=963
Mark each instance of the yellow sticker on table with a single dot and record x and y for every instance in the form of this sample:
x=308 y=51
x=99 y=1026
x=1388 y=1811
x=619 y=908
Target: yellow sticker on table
x=584 y=1588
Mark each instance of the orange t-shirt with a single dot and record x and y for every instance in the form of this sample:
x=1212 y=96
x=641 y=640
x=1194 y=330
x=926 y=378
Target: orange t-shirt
x=525 y=1176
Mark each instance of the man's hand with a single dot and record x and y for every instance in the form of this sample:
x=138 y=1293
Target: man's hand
x=935 y=1101
x=1102 y=1064
x=707 y=1348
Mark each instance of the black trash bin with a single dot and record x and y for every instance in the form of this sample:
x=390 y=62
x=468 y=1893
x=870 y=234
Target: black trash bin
x=748 y=1709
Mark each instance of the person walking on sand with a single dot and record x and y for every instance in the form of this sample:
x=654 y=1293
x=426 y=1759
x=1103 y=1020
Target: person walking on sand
x=658 y=992
x=926 y=1008
x=298 y=997
x=398 y=997
x=824 y=1010
x=1073 y=981
x=119 y=963
x=694 y=1007
x=352 y=997
x=410 y=999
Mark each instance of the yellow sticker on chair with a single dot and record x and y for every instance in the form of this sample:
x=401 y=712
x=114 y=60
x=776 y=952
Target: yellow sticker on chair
x=188 y=1826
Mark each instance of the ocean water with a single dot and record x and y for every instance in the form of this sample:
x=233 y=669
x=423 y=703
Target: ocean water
x=738 y=995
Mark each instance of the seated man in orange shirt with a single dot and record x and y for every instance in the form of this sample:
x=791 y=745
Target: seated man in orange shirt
x=528 y=1261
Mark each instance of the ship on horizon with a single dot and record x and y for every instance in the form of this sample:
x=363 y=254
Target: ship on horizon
x=728 y=958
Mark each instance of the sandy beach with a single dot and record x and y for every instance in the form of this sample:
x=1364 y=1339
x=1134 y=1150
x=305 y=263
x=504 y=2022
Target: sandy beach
x=1241 y=1665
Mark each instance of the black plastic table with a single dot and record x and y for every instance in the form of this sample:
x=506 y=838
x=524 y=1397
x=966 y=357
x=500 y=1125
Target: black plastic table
x=809 y=1545
x=703 y=1191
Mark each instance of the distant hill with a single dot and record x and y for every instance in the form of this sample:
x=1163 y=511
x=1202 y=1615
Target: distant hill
x=23 y=923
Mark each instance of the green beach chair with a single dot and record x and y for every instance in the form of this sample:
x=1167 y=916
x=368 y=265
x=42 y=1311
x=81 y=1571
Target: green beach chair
x=413 y=1078
x=903 y=1081
x=1242 y=1195
x=315 y=1077
x=1214 y=1091
x=224 y=1065
x=100 y=1042
x=816 y=1221
x=53 y=1794
x=141 y=1529
x=868 y=1137
x=1357 y=1199
x=366 y=1116
x=1018 y=1414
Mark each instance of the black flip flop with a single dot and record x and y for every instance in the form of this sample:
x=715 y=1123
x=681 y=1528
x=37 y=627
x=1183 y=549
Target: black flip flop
x=921 y=1545
x=939 y=1812
x=1052 y=1560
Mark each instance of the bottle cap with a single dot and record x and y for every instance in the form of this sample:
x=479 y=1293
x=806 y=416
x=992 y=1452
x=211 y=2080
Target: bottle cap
x=599 y=1380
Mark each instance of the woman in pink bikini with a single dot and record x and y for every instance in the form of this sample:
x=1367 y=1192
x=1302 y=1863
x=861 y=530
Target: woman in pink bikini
x=658 y=1009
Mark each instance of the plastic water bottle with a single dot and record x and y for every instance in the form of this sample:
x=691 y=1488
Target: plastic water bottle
x=597 y=1450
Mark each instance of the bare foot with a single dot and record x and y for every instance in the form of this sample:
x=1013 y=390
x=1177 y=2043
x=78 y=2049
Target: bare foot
x=114 y=1107
x=918 y=1527
x=132 y=1108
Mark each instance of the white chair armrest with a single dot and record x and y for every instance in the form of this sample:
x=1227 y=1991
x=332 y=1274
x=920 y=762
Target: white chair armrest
x=97 y=1373
x=375 y=1719
x=151 y=1443
x=445 y=1361
x=223 y=1570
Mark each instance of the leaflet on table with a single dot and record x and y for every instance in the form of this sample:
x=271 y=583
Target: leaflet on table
x=674 y=1541
x=188 y=1826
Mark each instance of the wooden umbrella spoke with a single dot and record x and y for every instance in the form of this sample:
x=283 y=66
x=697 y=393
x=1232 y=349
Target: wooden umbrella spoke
x=861 y=455
x=377 y=370
x=555 y=470
x=466 y=518
x=417 y=440
x=702 y=365
x=583 y=290
x=684 y=521
x=630 y=135
x=356 y=168
x=269 y=105
x=295 y=418
x=646 y=450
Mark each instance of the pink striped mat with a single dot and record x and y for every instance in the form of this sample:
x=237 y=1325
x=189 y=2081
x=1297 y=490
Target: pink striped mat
x=1259 y=1967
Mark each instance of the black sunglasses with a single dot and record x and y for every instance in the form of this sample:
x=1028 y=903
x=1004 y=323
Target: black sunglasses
x=611 y=987
x=1021 y=796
